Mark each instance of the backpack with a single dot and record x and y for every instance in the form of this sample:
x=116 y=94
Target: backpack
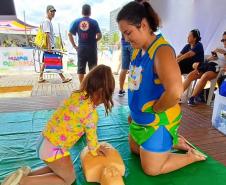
x=40 y=39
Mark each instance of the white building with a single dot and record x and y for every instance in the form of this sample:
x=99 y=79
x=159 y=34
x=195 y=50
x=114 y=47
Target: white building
x=113 y=23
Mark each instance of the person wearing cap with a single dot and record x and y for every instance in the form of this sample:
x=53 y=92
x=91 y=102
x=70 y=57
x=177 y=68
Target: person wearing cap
x=47 y=28
x=192 y=52
x=89 y=33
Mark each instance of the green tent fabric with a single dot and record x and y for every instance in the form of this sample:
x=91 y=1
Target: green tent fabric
x=19 y=133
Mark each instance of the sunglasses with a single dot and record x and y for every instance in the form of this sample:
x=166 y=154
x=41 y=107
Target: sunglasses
x=223 y=40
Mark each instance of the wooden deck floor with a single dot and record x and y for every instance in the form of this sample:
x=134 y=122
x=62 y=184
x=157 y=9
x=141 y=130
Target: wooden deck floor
x=196 y=122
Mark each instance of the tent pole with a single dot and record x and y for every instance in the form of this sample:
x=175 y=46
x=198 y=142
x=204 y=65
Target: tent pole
x=25 y=29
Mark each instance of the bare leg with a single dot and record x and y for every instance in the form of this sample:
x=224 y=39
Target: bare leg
x=80 y=77
x=191 y=77
x=207 y=76
x=41 y=71
x=40 y=171
x=62 y=76
x=65 y=80
x=118 y=68
x=161 y=163
x=122 y=78
x=182 y=145
x=119 y=63
x=134 y=147
x=63 y=174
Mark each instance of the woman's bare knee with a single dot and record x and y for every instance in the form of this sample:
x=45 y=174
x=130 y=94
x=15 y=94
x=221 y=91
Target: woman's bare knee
x=152 y=171
x=153 y=163
x=192 y=76
x=207 y=76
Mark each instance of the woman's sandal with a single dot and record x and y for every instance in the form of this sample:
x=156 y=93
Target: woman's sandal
x=16 y=176
x=26 y=170
x=192 y=146
x=42 y=80
x=67 y=80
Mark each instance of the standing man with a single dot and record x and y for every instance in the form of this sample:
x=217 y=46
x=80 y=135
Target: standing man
x=126 y=58
x=47 y=28
x=127 y=51
x=88 y=34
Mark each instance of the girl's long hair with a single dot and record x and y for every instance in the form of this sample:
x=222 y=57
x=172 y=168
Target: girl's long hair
x=100 y=80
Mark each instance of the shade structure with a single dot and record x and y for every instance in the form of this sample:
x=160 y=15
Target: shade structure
x=15 y=25
x=9 y=20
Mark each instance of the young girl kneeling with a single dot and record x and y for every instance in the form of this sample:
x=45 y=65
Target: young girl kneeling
x=77 y=116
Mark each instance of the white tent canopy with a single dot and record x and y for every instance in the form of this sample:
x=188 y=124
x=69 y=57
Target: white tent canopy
x=181 y=16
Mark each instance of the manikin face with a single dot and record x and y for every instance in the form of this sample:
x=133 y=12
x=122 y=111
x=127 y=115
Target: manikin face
x=135 y=36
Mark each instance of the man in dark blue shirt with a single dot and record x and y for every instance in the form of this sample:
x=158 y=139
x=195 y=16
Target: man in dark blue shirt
x=89 y=33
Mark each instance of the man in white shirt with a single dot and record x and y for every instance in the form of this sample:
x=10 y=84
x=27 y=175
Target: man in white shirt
x=48 y=29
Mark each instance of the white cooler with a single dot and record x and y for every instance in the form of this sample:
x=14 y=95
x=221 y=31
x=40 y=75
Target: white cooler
x=219 y=113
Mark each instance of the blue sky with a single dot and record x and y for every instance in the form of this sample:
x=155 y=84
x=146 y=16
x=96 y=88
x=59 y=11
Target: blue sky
x=67 y=11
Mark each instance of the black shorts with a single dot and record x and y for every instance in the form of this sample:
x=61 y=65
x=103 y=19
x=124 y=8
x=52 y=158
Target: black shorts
x=208 y=66
x=186 y=66
x=86 y=54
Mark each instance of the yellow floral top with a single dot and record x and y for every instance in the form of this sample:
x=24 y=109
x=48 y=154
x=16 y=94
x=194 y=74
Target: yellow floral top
x=69 y=122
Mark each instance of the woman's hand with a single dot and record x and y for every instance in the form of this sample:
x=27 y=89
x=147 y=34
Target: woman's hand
x=211 y=58
x=219 y=50
x=195 y=65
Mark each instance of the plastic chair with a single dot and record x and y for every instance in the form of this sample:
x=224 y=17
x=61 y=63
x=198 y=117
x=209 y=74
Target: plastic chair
x=190 y=88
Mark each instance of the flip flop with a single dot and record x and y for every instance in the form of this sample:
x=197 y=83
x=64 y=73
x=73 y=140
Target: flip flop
x=14 y=178
x=42 y=81
x=26 y=170
x=67 y=80
x=192 y=146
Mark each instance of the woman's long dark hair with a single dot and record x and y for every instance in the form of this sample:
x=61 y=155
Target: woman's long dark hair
x=134 y=12
x=196 y=34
